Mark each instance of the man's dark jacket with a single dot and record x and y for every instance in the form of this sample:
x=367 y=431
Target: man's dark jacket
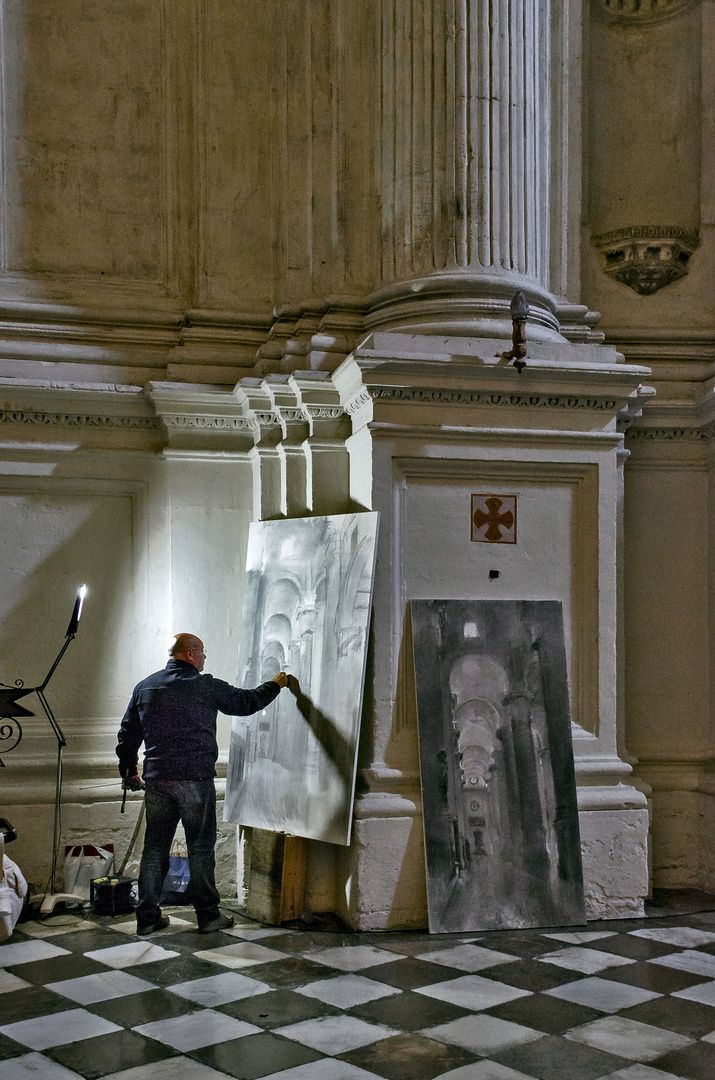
x=173 y=712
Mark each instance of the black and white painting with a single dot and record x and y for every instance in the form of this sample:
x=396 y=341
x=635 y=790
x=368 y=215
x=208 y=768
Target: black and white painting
x=496 y=758
x=306 y=611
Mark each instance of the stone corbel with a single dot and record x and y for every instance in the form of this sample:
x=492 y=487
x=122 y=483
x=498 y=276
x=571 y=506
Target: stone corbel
x=329 y=428
x=646 y=257
x=296 y=429
x=202 y=420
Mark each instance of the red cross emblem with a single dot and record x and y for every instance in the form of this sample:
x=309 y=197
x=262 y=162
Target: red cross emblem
x=494 y=519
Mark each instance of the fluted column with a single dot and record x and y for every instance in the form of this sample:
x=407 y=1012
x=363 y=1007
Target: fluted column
x=466 y=166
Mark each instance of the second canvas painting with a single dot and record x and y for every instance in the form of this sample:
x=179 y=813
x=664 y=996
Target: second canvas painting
x=498 y=788
x=306 y=611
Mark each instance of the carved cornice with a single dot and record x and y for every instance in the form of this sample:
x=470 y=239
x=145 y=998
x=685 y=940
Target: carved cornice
x=355 y=404
x=324 y=412
x=209 y=423
x=671 y=434
x=646 y=257
x=642 y=12
x=63 y=419
x=429 y=395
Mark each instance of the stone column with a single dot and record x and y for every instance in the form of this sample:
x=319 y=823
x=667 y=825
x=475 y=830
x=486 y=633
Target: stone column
x=466 y=168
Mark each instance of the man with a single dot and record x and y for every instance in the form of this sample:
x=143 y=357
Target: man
x=173 y=712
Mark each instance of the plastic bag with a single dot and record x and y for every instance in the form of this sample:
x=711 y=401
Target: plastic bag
x=176 y=883
x=13 y=890
x=84 y=862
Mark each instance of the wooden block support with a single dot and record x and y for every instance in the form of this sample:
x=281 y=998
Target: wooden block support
x=293 y=879
x=276 y=877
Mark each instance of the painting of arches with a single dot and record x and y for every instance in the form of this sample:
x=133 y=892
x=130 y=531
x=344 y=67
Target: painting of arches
x=502 y=842
x=306 y=610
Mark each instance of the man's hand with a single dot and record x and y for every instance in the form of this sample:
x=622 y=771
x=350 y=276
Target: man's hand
x=281 y=678
x=133 y=783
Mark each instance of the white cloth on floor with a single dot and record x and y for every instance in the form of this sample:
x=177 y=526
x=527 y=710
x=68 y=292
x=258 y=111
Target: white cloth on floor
x=13 y=890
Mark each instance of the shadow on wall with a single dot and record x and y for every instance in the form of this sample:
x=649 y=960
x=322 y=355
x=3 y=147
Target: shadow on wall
x=49 y=545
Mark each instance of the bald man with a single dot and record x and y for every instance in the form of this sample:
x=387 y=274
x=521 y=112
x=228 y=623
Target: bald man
x=173 y=712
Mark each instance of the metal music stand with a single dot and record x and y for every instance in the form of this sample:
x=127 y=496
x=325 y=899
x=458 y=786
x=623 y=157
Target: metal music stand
x=9 y=709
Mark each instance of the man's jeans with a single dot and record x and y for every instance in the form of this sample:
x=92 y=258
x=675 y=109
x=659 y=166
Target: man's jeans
x=193 y=802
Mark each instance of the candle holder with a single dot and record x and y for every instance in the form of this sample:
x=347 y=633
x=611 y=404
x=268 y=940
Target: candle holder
x=519 y=311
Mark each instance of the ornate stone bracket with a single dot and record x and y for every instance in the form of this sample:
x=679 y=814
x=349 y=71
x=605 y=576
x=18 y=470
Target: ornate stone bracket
x=646 y=257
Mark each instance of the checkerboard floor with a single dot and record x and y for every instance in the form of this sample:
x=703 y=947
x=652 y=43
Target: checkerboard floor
x=85 y=997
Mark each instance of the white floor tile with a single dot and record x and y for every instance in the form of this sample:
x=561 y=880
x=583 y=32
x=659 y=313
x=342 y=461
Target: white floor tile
x=135 y=952
x=632 y=1072
x=587 y=961
x=480 y=1070
x=219 y=989
x=26 y=952
x=473 y=992
x=347 y=991
x=175 y=1068
x=102 y=986
x=468 y=957
x=628 y=1038
x=482 y=1034
x=684 y=936
x=325 y=1069
x=696 y=963
x=176 y=924
x=243 y=955
x=35 y=1067
x=581 y=937
x=353 y=957
x=335 y=1034
x=58 y=1029
x=10 y=982
x=251 y=933
x=197 y=1029
x=57 y=924
x=703 y=992
x=602 y=994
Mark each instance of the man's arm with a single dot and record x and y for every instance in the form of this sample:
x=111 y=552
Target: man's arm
x=129 y=740
x=238 y=702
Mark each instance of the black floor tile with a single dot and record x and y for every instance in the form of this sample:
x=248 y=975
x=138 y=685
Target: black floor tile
x=523 y=947
x=408 y=973
x=111 y=1053
x=292 y=972
x=695 y=1062
x=426 y=945
x=57 y=968
x=30 y=1002
x=291 y=943
x=661 y=980
x=408 y=1057
x=142 y=1008
x=408 y=1011
x=549 y=1014
x=553 y=1058
x=10 y=1049
x=193 y=940
x=633 y=947
x=179 y=969
x=79 y=941
x=279 y=1008
x=255 y=1055
x=676 y=1014
x=531 y=975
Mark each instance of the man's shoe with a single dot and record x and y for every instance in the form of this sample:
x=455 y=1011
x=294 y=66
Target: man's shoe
x=223 y=922
x=160 y=924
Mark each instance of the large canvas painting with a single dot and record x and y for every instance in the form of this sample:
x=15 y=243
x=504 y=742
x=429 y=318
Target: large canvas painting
x=498 y=788
x=306 y=611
